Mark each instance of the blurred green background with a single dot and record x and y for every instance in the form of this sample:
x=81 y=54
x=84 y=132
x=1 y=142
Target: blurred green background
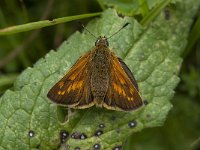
x=19 y=51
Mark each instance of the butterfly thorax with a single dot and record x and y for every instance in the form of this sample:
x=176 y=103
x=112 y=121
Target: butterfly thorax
x=100 y=72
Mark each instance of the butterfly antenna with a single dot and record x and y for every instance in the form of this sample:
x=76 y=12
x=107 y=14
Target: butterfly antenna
x=87 y=29
x=119 y=30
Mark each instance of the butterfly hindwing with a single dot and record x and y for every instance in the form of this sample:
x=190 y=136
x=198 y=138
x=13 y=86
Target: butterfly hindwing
x=129 y=73
x=73 y=89
x=122 y=90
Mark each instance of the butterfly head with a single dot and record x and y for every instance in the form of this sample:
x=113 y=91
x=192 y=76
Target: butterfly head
x=102 y=41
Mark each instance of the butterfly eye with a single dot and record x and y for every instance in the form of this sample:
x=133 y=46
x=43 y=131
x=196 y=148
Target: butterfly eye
x=97 y=41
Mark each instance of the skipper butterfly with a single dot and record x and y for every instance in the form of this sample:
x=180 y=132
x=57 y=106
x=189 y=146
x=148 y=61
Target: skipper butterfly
x=98 y=78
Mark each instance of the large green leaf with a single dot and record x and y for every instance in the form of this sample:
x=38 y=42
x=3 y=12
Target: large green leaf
x=29 y=120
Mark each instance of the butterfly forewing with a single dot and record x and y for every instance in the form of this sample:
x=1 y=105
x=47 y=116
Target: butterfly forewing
x=123 y=90
x=73 y=89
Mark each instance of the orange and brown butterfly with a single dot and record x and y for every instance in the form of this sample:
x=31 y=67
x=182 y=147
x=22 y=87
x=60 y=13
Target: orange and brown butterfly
x=98 y=78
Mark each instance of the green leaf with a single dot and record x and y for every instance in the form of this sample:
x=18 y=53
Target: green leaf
x=130 y=7
x=29 y=120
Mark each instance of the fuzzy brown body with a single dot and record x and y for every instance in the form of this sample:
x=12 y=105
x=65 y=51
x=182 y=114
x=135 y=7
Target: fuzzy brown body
x=100 y=73
x=98 y=78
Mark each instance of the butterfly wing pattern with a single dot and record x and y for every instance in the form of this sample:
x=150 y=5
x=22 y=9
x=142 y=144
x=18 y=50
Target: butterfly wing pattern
x=73 y=90
x=122 y=90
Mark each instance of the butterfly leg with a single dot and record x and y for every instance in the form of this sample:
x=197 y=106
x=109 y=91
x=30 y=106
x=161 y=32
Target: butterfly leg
x=99 y=101
x=69 y=114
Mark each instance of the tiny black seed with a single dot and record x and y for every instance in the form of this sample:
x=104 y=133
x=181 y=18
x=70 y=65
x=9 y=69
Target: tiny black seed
x=117 y=148
x=98 y=133
x=146 y=102
x=76 y=148
x=97 y=146
x=31 y=133
x=83 y=136
x=38 y=146
x=132 y=124
x=101 y=125
x=167 y=14
x=63 y=136
x=76 y=135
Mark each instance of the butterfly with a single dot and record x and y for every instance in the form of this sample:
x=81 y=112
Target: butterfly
x=98 y=78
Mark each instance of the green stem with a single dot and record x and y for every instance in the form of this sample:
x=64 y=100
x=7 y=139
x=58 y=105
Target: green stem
x=193 y=37
x=154 y=12
x=7 y=79
x=44 y=23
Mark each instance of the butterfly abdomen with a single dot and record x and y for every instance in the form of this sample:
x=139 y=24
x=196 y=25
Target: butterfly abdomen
x=99 y=75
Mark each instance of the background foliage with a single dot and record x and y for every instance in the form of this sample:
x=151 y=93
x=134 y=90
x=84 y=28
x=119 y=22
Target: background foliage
x=180 y=131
